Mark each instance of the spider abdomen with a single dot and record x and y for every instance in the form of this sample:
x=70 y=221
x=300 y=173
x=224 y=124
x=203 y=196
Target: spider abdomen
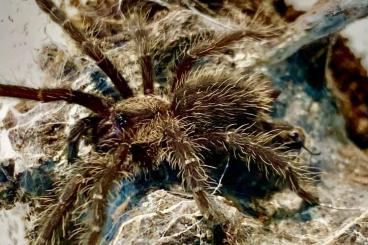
x=222 y=101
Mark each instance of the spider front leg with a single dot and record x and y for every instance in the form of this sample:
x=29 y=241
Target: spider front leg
x=88 y=188
x=272 y=160
x=54 y=218
x=116 y=169
x=94 y=103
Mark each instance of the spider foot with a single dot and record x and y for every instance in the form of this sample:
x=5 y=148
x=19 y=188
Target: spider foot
x=217 y=219
x=308 y=197
x=209 y=208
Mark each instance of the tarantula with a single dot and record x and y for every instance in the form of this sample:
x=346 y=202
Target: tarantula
x=203 y=111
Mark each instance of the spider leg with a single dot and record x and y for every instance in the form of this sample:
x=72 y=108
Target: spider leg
x=290 y=136
x=54 y=218
x=113 y=171
x=80 y=129
x=96 y=104
x=184 y=153
x=206 y=48
x=88 y=47
x=93 y=179
x=143 y=48
x=147 y=73
x=145 y=60
x=255 y=148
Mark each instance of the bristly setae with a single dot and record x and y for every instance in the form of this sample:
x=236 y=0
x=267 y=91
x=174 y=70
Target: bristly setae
x=204 y=110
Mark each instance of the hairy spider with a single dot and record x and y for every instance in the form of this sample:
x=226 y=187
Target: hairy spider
x=204 y=111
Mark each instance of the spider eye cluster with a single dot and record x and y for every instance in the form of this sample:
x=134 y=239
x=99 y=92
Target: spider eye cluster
x=121 y=120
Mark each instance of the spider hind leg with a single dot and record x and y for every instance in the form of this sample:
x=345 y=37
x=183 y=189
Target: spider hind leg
x=254 y=149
